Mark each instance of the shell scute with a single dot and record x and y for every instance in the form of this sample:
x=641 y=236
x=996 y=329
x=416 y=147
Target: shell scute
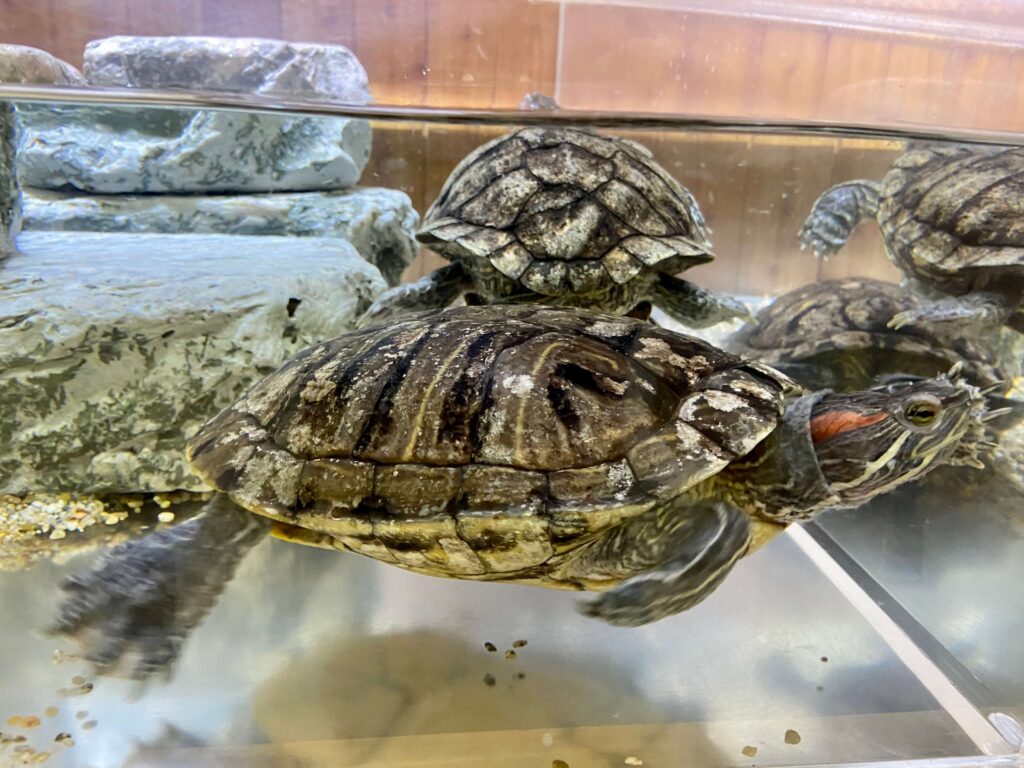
x=416 y=490
x=569 y=164
x=498 y=204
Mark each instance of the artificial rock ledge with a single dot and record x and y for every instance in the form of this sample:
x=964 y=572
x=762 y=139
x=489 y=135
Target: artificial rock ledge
x=379 y=222
x=21 y=64
x=115 y=348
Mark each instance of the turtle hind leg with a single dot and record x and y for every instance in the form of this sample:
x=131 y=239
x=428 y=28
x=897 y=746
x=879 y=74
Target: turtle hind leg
x=836 y=213
x=132 y=612
x=693 y=306
x=667 y=560
x=433 y=291
x=976 y=310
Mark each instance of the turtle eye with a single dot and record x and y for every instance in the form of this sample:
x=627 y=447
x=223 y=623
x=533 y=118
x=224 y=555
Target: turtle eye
x=922 y=413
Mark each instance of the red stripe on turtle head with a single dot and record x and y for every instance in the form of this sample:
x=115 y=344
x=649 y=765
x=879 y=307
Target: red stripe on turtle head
x=832 y=423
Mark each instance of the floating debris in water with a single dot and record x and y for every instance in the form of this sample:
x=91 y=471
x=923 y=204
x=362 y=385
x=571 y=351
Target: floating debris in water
x=633 y=761
x=519 y=644
x=88 y=725
x=520 y=675
x=489 y=679
x=51 y=711
x=792 y=737
x=31 y=721
x=559 y=764
x=824 y=659
x=79 y=690
x=491 y=647
x=78 y=680
x=749 y=750
x=820 y=688
x=510 y=655
x=547 y=739
x=62 y=657
x=64 y=738
x=165 y=517
x=82 y=714
x=6 y=738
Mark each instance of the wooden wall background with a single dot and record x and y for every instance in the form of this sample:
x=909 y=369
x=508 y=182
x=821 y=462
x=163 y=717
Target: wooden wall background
x=955 y=63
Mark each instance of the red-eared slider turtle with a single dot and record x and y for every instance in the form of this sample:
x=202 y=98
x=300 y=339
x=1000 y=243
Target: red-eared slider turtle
x=951 y=216
x=565 y=217
x=562 y=448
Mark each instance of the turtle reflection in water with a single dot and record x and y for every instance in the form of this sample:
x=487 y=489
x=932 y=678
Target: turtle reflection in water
x=562 y=448
x=562 y=216
x=950 y=215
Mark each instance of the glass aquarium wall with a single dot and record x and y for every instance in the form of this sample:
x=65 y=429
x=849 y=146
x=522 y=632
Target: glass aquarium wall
x=722 y=342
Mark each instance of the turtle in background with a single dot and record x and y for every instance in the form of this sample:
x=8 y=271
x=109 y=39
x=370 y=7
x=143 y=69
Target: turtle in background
x=537 y=445
x=564 y=217
x=952 y=217
x=836 y=334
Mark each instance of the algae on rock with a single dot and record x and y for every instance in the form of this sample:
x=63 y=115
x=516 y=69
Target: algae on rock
x=115 y=348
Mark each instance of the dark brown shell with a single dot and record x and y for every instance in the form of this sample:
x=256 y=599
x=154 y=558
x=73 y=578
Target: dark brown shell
x=563 y=210
x=835 y=335
x=953 y=215
x=483 y=440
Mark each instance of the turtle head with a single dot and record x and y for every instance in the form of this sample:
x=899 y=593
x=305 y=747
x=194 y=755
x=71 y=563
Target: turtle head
x=869 y=442
x=841 y=449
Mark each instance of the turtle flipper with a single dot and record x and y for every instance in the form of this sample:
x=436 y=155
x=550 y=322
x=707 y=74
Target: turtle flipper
x=835 y=214
x=433 y=291
x=693 y=306
x=133 y=611
x=671 y=558
x=977 y=310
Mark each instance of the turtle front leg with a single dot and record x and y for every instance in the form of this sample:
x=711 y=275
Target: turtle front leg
x=693 y=306
x=979 y=310
x=836 y=213
x=433 y=291
x=664 y=561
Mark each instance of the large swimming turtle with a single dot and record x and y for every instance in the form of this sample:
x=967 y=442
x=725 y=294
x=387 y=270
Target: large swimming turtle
x=561 y=448
x=562 y=216
x=952 y=216
x=545 y=446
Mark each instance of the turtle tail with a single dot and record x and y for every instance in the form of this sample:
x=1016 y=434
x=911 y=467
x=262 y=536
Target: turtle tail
x=836 y=213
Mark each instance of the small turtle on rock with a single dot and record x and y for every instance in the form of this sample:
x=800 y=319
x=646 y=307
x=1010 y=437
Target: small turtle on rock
x=951 y=216
x=537 y=445
x=566 y=217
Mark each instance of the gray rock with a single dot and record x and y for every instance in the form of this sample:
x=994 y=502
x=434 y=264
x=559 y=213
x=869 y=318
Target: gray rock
x=114 y=348
x=126 y=150
x=21 y=64
x=10 y=199
x=379 y=222
x=244 y=65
